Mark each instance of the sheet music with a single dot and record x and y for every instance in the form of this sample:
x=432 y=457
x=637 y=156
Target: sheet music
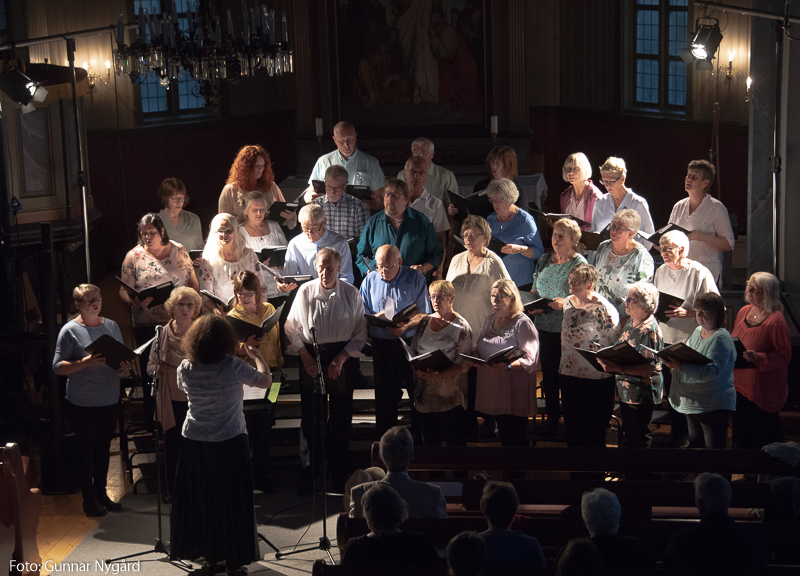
x=253 y=393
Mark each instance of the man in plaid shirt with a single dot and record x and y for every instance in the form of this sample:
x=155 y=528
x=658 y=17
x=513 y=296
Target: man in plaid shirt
x=346 y=214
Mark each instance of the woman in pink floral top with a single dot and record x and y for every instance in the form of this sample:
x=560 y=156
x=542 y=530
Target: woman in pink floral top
x=590 y=323
x=640 y=388
x=154 y=260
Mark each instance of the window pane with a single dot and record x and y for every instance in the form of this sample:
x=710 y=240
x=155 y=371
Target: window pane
x=647 y=2
x=647 y=81
x=679 y=2
x=154 y=96
x=677 y=32
x=646 y=32
x=188 y=94
x=677 y=84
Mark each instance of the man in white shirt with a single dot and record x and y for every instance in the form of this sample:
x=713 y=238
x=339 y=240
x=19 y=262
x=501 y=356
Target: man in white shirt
x=362 y=169
x=705 y=217
x=301 y=253
x=440 y=180
x=420 y=199
x=334 y=310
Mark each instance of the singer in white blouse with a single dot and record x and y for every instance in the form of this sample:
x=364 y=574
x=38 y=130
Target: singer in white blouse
x=333 y=309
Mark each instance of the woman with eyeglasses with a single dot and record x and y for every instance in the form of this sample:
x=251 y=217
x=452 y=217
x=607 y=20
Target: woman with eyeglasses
x=705 y=392
x=614 y=173
x=224 y=256
x=551 y=281
x=590 y=323
x=508 y=391
x=639 y=387
x=252 y=171
x=578 y=200
x=249 y=305
x=686 y=279
x=258 y=233
x=183 y=306
x=182 y=226
x=622 y=261
x=155 y=260
x=92 y=400
x=762 y=390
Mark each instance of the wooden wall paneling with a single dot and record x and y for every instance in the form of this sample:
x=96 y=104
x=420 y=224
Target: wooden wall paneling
x=515 y=53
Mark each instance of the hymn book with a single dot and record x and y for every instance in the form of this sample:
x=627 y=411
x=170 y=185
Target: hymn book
x=435 y=361
x=504 y=356
x=245 y=329
x=160 y=293
x=400 y=317
x=218 y=300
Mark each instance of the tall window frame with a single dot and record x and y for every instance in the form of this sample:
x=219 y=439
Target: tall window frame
x=657 y=80
x=157 y=102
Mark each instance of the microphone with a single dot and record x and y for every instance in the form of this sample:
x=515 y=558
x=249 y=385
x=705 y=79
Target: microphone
x=313 y=331
x=158 y=330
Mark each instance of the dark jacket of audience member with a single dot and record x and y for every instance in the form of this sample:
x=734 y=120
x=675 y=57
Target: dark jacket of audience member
x=466 y=554
x=718 y=546
x=622 y=555
x=386 y=544
x=507 y=550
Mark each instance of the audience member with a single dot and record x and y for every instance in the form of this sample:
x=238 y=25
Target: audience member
x=386 y=291
x=386 y=544
x=346 y=214
x=301 y=254
x=622 y=555
x=705 y=217
x=718 y=546
x=440 y=180
x=401 y=226
x=335 y=310
x=423 y=500
x=466 y=555
x=506 y=549
x=580 y=557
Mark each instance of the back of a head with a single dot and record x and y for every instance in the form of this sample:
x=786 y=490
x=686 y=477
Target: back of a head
x=712 y=493
x=601 y=511
x=466 y=554
x=384 y=509
x=499 y=504
x=397 y=449
x=580 y=557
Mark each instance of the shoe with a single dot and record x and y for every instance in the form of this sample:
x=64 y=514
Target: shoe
x=679 y=442
x=93 y=509
x=108 y=503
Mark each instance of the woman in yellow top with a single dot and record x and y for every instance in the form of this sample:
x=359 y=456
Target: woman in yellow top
x=247 y=306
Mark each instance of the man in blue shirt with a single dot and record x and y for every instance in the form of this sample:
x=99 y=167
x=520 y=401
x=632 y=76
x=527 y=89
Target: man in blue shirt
x=401 y=226
x=301 y=253
x=386 y=291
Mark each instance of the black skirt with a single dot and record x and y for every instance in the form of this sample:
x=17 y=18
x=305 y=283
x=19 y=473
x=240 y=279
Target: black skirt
x=213 y=514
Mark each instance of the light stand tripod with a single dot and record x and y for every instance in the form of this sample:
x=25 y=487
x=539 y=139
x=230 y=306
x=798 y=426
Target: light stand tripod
x=319 y=388
x=159 y=546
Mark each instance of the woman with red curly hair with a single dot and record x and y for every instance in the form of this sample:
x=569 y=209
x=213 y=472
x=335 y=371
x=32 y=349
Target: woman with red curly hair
x=251 y=171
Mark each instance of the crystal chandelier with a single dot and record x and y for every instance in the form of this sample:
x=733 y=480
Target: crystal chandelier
x=203 y=51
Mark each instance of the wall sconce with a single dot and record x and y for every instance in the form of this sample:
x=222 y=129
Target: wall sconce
x=749 y=84
x=95 y=76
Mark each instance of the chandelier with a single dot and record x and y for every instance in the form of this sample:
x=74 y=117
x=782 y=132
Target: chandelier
x=202 y=50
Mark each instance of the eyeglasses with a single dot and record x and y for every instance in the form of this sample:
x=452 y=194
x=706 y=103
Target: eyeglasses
x=576 y=282
x=392 y=195
x=91 y=300
x=496 y=163
x=571 y=169
x=385 y=266
x=177 y=199
x=224 y=232
x=438 y=296
x=631 y=300
x=619 y=229
x=184 y=305
x=471 y=236
x=609 y=183
x=499 y=296
x=262 y=165
x=245 y=295
x=335 y=188
x=314 y=230
x=667 y=248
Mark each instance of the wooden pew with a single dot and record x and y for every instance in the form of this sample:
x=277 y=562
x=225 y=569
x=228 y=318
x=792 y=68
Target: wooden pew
x=20 y=507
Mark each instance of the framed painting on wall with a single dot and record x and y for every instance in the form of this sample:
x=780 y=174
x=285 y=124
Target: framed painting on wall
x=411 y=61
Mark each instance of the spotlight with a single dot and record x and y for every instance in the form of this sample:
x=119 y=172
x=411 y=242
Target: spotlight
x=706 y=40
x=15 y=84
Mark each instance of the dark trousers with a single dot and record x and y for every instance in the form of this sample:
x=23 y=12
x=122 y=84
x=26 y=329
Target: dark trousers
x=259 y=433
x=512 y=430
x=392 y=375
x=636 y=423
x=172 y=442
x=754 y=428
x=550 y=359
x=588 y=405
x=94 y=427
x=438 y=426
x=709 y=429
x=678 y=428
x=339 y=410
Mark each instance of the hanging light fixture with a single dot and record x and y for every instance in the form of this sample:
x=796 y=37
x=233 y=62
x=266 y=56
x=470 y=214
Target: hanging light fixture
x=706 y=41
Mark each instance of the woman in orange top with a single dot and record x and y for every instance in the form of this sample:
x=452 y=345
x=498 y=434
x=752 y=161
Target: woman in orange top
x=761 y=391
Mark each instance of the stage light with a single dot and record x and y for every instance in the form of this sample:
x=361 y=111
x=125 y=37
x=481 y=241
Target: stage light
x=15 y=84
x=706 y=40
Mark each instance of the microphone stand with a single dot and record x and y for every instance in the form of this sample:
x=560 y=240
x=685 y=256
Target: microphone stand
x=159 y=547
x=319 y=388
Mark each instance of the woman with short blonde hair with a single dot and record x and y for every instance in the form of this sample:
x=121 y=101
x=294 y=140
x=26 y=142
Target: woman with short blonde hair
x=614 y=174
x=579 y=198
